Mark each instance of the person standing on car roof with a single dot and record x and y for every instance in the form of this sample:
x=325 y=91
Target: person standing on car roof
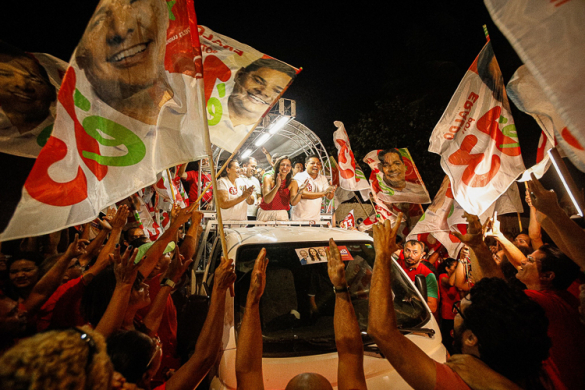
x=248 y=177
x=309 y=207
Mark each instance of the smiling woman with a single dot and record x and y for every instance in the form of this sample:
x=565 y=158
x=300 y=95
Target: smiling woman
x=122 y=53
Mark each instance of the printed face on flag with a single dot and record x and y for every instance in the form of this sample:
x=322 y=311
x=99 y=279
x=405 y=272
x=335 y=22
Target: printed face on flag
x=241 y=84
x=122 y=53
x=28 y=95
x=394 y=177
x=130 y=105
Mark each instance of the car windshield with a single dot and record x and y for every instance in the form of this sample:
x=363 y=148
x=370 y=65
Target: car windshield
x=296 y=310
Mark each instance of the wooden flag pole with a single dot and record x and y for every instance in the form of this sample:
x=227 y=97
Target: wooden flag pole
x=171 y=186
x=361 y=204
x=519 y=221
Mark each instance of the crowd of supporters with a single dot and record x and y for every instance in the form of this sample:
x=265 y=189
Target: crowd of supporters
x=98 y=306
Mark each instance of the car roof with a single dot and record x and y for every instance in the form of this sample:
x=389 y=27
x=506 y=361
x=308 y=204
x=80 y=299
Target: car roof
x=289 y=234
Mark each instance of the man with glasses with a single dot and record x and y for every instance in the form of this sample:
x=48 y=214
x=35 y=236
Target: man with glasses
x=502 y=332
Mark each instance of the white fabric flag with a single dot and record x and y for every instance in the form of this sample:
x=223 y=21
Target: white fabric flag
x=548 y=37
x=476 y=137
x=351 y=176
x=123 y=115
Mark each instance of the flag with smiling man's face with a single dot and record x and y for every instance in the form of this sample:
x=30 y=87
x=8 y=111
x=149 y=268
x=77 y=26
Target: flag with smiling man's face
x=131 y=105
x=241 y=85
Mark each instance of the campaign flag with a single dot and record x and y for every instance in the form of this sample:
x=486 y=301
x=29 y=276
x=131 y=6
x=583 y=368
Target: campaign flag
x=394 y=178
x=348 y=221
x=529 y=97
x=241 y=84
x=351 y=176
x=476 y=137
x=28 y=104
x=440 y=219
x=341 y=195
x=548 y=37
x=131 y=105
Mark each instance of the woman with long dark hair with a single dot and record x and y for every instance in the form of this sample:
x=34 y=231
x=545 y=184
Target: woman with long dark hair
x=279 y=192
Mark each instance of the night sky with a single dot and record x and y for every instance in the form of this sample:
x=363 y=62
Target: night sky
x=352 y=56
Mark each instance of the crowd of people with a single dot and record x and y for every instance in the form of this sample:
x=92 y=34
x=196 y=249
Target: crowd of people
x=95 y=307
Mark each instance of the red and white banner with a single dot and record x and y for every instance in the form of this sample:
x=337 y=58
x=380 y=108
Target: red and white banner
x=351 y=176
x=28 y=102
x=131 y=105
x=441 y=218
x=348 y=222
x=476 y=137
x=529 y=97
x=241 y=84
x=548 y=37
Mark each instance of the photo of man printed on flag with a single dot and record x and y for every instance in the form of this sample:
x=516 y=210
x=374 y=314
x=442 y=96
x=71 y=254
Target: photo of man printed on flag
x=241 y=84
x=394 y=177
x=29 y=83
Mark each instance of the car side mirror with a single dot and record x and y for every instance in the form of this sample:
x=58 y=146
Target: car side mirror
x=421 y=284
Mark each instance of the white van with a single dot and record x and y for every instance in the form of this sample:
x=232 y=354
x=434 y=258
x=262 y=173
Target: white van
x=296 y=309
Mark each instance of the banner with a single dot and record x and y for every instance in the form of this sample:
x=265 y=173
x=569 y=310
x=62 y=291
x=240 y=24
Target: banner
x=394 y=178
x=351 y=176
x=529 y=97
x=348 y=222
x=241 y=84
x=131 y=105
x=29 y=83
x=476 y=137
x=548 y=37
x=441 y=218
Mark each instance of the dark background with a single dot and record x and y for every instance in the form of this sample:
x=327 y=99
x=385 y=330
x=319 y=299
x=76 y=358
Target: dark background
x=386 y=71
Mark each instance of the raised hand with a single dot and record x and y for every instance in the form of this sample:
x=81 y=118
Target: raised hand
x=543 y=200
x=120 y=218
x=178 y=267
x=304 y=185
x=258 y=280
x=474 y=236
x=105 y=222
x=76 y=248
x=330 y=190
x=335 y=266
x=248 y=192
x=125 y=267
x=385 y=237
x=224 y=274
x=184 y=214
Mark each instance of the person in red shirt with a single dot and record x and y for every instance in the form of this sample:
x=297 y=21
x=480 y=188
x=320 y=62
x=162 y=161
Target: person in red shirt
x=449 y=295
x=496 y=324
x=191 y=177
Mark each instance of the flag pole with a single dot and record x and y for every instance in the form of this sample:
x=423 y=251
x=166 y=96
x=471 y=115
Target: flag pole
x=171 y=186
x=361 y=204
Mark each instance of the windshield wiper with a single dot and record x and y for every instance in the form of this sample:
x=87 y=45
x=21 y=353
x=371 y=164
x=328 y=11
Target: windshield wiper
x=427 y=331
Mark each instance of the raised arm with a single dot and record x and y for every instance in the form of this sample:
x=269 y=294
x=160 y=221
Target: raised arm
x=191 y=241
x=156 y=250
x=514 y=255
x=176 y=270
x=565 y=233
x=382 y=327
x=94 y=246
x=126 y=271
x=348 y=340
x=249 y=352
x=208 y=347
x=482 y=262
x=103 y=260
x=534 y=228
x=47 y=285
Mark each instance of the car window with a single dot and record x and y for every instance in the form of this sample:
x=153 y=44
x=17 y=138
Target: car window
x=296 y=310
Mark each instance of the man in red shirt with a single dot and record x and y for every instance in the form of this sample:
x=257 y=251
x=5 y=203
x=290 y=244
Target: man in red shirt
x=495 y=324
x=410 y=261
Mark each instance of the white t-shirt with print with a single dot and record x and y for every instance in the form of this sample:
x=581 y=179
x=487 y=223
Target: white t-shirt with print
x=309 y=209
x=239 y=211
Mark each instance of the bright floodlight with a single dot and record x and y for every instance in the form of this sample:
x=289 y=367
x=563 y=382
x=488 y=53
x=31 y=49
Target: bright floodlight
x=263 y=138
x=247 y=153
x=558 y=169
x=279 y=124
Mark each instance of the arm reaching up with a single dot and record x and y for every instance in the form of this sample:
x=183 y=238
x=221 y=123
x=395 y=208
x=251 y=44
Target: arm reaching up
x=249 y=353
x=208 y=346
x=565 y=233
x=399 y=350
x=350 y=348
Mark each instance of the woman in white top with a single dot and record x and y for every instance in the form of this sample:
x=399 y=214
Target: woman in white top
x=233 y=196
